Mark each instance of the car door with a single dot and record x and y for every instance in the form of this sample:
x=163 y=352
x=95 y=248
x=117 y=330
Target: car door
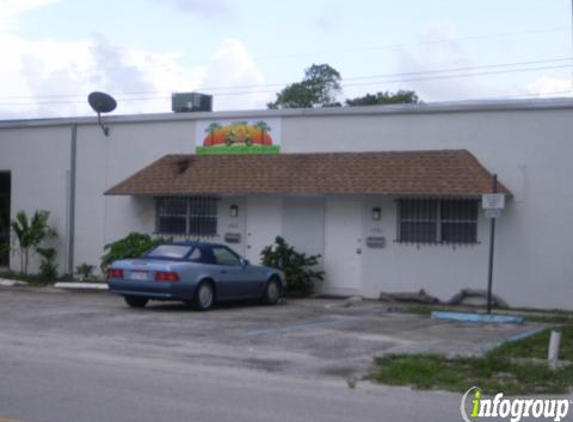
x=233 y=280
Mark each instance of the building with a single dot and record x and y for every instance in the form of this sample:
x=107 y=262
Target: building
x=390 y=196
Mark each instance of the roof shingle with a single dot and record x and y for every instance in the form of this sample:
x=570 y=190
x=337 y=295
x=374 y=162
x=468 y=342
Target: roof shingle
x=434 y=173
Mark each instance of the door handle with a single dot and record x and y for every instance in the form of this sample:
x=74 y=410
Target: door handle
x=223 y=272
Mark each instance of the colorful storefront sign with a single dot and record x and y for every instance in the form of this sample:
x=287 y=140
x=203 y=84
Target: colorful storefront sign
x=255 y=136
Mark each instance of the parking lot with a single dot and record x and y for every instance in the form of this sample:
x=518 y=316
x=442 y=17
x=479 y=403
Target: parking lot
x=71 y=356
x=310 y=338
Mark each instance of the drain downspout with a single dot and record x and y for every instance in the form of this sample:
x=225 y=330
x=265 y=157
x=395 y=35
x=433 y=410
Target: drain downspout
x=72 y=205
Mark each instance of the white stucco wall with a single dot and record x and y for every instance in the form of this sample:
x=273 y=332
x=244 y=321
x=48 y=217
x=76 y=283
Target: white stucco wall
x=105 y=161
x=528 y=148
x=441 y=270
x=38 y=161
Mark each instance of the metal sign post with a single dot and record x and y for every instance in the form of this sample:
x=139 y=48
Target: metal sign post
x=491 y=245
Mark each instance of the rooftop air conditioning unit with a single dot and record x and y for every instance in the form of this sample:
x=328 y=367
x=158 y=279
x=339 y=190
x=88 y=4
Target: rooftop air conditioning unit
x=191 y=101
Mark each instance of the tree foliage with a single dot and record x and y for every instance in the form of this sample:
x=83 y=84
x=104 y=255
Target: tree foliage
x=30 y=233
x=400 y=97
x=132 y=246
x=297 y=266
x=318 y=88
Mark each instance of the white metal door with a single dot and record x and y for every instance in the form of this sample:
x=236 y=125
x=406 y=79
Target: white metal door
x=343 y=246
x=303 y=225
x=264 y=224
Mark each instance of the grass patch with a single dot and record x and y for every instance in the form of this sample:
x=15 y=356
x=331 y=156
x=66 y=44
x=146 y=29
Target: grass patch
x=561 y=318
x=35 y=280
x=502 y=369
x=490 y=373
x=421 y=309
x=535 y=347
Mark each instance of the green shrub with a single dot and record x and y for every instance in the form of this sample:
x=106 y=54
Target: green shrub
x=48 y=269
x=297 y=266
x=84 y=271
x=132 y=246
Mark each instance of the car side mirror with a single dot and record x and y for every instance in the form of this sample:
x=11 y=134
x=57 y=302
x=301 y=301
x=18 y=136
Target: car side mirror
x=245 y=262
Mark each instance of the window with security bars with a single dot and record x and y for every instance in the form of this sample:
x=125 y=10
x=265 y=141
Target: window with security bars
x=437 y=220
x=187 y=216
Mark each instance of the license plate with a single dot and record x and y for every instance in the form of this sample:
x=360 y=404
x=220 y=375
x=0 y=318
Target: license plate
x=138 y=275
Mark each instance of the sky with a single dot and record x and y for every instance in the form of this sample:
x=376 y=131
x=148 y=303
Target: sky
x=55 y=52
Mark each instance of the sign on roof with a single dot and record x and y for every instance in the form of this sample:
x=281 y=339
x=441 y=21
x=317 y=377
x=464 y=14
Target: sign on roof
x=493 y=201
x=254 y=136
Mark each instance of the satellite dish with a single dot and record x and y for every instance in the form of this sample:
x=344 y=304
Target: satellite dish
x=102 y=103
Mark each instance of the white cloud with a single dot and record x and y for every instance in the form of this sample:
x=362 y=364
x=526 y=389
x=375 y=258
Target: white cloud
x=52 y=78
x=11 y=9
x=440 y=50
x=210 y=8
x=330 y=17
x=49 y=78
x=232 y=67
x=551 y=87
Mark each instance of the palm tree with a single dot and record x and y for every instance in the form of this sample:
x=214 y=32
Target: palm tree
x=263 y=127
x=211 y=131
x=30 y=232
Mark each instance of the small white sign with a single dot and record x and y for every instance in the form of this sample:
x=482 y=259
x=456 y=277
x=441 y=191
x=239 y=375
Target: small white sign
x=493 y=213
x=493 y=201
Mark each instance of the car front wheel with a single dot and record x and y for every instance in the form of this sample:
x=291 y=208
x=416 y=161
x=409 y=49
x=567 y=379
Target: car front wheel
x=272 y=292
x=136 y=302
x=204 y=296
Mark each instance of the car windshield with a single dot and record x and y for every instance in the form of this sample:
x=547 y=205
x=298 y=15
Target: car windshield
x=169 y=251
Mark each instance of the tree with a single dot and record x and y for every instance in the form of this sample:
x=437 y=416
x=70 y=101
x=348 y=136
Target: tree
x=400 y=97
x=30 y=233
x=264 y=128
x=211 y=131
x=319 y=87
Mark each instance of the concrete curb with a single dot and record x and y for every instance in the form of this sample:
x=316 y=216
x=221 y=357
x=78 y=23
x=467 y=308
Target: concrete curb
x=81 y=286
x=4 y=282
x=477 y=318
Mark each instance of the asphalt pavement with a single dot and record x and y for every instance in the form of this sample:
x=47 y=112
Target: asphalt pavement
x=68 y=356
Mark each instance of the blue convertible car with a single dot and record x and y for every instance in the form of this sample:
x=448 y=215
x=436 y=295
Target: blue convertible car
x=198 y=273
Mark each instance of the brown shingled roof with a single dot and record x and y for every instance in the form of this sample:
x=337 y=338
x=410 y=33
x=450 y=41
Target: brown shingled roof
x=445 y=172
